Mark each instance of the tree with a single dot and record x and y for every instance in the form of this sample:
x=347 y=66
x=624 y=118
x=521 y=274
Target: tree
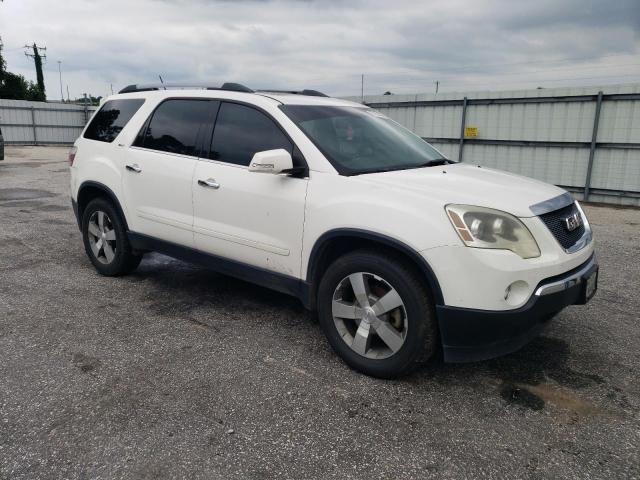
x=15 y=87
x=35 y=93
x=3 y=64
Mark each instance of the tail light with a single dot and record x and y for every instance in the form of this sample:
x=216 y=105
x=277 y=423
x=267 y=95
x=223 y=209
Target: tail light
x=72 y=155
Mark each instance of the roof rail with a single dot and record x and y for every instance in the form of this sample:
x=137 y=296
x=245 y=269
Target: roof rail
x=309 y=93
x=145 y=87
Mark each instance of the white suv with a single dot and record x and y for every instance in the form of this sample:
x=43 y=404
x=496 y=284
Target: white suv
x=402 y=252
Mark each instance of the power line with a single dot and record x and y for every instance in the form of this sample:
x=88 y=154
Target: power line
x=546 y=61
x=36 y=51
x=530 y=76
x=521 y=73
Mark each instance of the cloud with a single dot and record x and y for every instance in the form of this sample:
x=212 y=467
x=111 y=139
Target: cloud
x=402 y=46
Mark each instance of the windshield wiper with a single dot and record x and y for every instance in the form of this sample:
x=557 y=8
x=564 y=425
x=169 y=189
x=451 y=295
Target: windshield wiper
x=435 y=162
x=430 y=163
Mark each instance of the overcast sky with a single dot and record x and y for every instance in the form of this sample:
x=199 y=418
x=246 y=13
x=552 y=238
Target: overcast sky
x=401 y=45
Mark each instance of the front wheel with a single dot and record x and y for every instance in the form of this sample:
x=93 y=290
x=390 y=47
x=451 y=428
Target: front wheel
x=105 y=239
x=376 y=313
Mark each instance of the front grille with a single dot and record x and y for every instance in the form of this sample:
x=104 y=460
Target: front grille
x=555 y=223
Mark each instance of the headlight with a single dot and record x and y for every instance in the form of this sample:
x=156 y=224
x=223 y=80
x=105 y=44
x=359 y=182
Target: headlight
x=481 y=227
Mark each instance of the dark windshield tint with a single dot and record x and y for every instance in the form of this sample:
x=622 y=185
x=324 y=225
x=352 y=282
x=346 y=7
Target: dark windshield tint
x=242 y=131
x=361 y=140
x=174 y=126
x=111 y=119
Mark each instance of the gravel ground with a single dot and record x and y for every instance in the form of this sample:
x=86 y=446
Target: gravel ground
x=177 y=372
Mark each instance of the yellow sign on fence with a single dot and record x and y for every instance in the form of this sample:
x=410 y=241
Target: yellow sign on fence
x=471 y=132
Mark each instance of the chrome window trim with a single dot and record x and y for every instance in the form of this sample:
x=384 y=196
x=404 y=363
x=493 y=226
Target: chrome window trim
x=163 y=152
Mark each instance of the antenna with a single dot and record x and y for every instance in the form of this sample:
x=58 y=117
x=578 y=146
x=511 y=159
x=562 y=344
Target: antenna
x=161 y=81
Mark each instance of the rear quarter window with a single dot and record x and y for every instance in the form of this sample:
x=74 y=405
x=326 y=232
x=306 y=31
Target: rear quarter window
x=111 y=119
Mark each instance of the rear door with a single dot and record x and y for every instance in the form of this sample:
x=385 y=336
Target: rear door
x=254 y=218
x=160 y=166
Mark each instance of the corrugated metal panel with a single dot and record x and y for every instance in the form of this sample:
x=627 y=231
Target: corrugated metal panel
x=449 y=150
x=620 y=122
x=55 y=122
x=559 y=122
x=616 y=169
x=561 y=166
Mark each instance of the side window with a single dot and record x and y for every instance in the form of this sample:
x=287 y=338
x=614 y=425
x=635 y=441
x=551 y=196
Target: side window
x=241 y=131
x=174 y=126
x=111 y=119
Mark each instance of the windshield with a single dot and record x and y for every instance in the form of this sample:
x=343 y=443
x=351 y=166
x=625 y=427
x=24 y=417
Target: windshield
x=360 y=140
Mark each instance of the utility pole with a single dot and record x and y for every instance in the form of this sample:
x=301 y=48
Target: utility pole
x=86 y=109
x=60 y=72
x=37 y=58
x=68 y=98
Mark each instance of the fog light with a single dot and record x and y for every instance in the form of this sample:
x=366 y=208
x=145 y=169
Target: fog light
x=517 y=293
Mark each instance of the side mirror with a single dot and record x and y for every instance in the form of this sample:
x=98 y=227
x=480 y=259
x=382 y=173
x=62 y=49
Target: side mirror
x=271 y=161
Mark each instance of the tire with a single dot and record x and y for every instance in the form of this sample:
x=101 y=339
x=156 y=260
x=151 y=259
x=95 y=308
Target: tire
x=409 y=329
x=110 y=254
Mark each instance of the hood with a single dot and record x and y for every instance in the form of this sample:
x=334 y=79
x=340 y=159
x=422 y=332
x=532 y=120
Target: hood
x=470 y=185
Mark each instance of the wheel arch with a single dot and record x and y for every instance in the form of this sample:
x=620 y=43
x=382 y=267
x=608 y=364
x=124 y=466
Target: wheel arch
x=337 y=242
x=89 y=190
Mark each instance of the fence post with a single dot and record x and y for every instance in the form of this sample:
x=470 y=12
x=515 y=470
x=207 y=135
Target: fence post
x=592 y=151
x=33 y=125
x=462 y=124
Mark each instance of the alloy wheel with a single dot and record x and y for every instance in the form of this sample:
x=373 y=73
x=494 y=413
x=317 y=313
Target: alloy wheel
x=102 y=237
x=369 y=315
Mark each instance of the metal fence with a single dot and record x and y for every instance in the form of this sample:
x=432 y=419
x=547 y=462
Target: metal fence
x=586 y=140
x=42 y=123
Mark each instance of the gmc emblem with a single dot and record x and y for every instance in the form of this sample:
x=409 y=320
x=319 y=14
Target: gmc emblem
x=572 y=222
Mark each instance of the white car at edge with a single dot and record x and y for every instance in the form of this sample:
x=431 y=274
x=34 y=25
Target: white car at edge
x=402 y=252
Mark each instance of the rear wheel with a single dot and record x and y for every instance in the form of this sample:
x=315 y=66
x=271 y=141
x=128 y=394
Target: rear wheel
x=105 y=239
x=376 y=313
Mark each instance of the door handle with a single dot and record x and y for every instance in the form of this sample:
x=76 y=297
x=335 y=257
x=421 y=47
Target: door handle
x=134 y=168
x=210 y=183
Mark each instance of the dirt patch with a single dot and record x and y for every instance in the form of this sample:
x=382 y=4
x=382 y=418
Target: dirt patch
x=85 y=363
x=53 y=208
x=521 y=396
x=8 y=194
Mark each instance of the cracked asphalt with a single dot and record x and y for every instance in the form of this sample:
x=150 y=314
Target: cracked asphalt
x=178 y=372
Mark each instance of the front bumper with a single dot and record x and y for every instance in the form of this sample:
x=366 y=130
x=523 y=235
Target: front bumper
x=472 y=335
